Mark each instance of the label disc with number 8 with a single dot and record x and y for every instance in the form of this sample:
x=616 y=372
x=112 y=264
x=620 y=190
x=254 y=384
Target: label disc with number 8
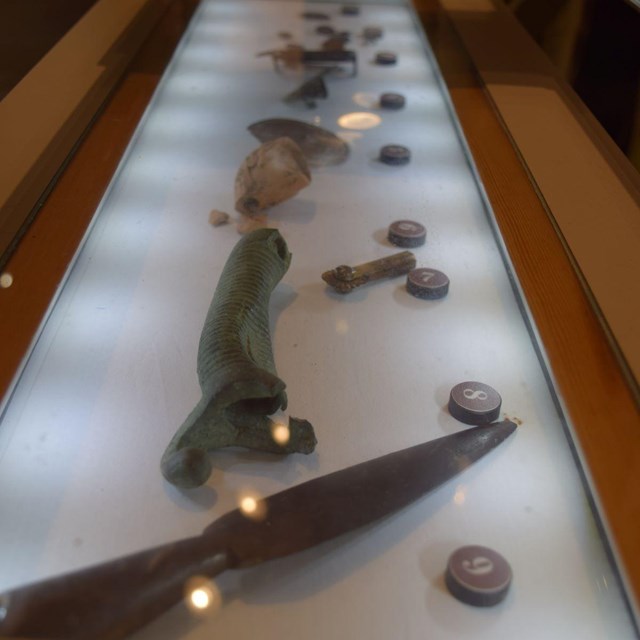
x=474 y=403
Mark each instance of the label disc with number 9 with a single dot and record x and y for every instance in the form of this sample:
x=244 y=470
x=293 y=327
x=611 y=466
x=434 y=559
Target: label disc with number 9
x=478 y=576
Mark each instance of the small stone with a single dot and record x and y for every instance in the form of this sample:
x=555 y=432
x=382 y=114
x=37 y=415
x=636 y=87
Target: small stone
x=393 y=101
x=217 y=218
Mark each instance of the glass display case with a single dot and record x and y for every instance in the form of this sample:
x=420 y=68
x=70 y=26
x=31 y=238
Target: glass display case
x=111 y=372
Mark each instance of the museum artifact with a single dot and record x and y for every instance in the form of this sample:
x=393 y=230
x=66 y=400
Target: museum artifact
x=319 y=146
x=218 y=218
x=113 y=599
x=395 y=154
x=392 y=101
x=371 y=34
x=345 y=278
x=236 y=369
x=294 y=57
x=386 y=58
x=309 y=91
x=272 y=173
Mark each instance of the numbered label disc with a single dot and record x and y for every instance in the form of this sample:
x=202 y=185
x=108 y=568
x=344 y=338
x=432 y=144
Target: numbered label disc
x=392 y=101
x=407 y=233
x=395 y=154
x=429 y=284
x=386 y=58
x=478 y=576
x=474 y=403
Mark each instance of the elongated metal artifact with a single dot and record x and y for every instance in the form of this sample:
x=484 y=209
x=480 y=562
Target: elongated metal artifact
x=345 y=278
x=319 y=146
x=113 y=599
x=236 y=369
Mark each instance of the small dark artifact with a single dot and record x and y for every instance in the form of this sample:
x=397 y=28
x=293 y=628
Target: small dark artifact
x=392 y=101
x=371 y=34
x=314 y=15
x=325 y=30
x=474 y=402
x=350 y=10
x=345 y=278
x=236 y=369
x=428 y=284
x=386 y=58
x=295 y=58
x=478 y=576
x=111 y=600
x=407 y=233
x=319 y=146
x=395 y=154
x=309 y=91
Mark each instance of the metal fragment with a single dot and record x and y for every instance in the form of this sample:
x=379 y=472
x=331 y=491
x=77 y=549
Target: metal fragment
x=345 y=278
x=319 y=146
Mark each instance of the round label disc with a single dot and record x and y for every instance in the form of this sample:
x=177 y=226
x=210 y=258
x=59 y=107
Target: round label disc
x=392 y=101
x=395 y=154
x=407 y=233
x=386 y=58
x=478 y=576
x=474 y=403
x=429 y=284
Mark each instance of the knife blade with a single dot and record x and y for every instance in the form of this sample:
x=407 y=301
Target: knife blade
x=110 y=600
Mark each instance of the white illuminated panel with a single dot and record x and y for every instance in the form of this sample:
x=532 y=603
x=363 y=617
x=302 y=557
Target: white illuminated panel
x=114 y=372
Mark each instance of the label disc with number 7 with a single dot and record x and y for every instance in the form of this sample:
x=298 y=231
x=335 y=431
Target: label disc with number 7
x=429 y=284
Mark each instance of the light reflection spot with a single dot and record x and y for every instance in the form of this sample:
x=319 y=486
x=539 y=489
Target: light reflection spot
x=359 y=120
x=342 y=327
x=200 y=598
x=6 y=280
x=459 y=497
x=248 y=504
x=280 y=433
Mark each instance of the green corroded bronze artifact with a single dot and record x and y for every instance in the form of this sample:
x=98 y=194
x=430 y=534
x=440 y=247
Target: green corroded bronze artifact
x=236 y=369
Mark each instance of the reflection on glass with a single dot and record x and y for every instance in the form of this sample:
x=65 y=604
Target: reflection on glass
x=342 y=326
x=6 y=280
x=459 y=496
x=366 y=100
x=280 y=433
x=252 y=506
x=359 y=120
x=202 y=596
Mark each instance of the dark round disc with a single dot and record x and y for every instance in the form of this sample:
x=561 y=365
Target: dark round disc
x=386 y=58
x=350 y=10
x=392 y=101
x=372 y=33
x=428 y=284
x=474 y=402
x=325 y=30
x=395 y=154
x=478 y=576
x=407 y=233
